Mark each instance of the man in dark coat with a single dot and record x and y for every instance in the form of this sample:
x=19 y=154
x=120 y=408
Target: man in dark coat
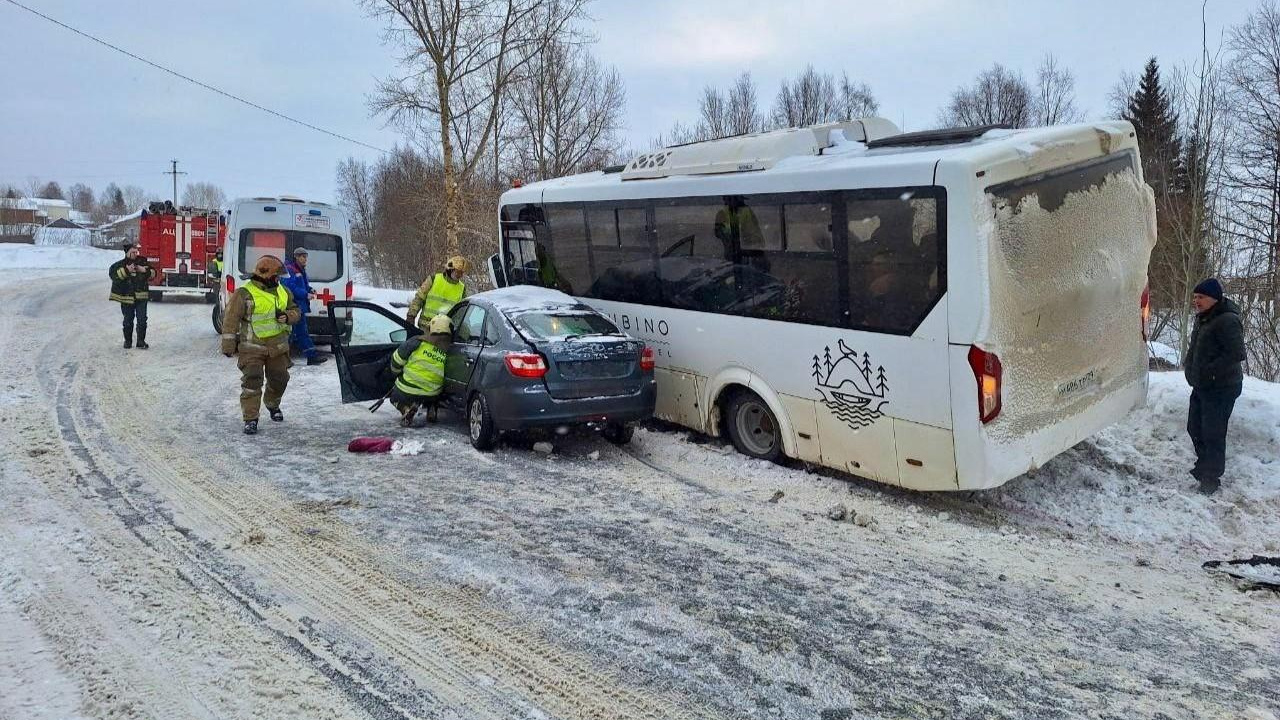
x=1213 y=369
x=130 y=276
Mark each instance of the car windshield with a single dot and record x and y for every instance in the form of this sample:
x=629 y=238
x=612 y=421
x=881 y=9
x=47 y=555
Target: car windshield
x=564 y=325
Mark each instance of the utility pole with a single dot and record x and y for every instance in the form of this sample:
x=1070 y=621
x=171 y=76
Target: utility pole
x=174 y=172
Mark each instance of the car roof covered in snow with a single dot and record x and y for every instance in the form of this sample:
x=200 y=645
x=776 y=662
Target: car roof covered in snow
x=528 y=298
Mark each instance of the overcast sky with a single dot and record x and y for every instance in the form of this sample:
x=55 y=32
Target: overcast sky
x=74 y=111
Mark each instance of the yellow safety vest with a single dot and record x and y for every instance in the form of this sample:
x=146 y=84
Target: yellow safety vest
x=441 y=298
x=266 y=306
x=423 y=372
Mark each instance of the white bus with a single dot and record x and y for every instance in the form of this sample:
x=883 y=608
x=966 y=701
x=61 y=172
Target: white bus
x=278 y=226
x=943 y=310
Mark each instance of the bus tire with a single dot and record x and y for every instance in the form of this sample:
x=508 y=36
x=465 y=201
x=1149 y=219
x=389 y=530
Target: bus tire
x=217 y=318
x=752 y=426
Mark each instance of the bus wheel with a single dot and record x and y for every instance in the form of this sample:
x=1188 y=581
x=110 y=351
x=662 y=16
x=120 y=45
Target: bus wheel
x=217 y=318
x=753 y=428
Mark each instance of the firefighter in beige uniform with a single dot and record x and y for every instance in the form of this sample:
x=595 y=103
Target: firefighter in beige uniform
x=255 y=326
x=438 y=294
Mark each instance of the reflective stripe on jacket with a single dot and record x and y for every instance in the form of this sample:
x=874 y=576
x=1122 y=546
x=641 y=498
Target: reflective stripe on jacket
x=263 y=323
x=421 y=373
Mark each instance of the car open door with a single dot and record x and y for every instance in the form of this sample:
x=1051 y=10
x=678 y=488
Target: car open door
x=364 y=338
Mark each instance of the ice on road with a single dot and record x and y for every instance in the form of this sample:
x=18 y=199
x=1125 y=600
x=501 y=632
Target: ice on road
x=154 y=562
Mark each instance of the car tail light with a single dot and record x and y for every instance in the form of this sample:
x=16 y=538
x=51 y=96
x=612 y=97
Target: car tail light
x=1146 y=312
x=231 y=284
x=646 y=359
x=989 y=374
x=528 y=365
x=351 y=289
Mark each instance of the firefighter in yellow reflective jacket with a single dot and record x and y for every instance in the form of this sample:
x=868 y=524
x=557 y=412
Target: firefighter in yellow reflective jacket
x=419 y=367
x=255 y=326
x=439 y=293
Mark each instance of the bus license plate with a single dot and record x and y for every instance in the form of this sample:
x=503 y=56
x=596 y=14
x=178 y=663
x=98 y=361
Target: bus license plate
x=1086 y=383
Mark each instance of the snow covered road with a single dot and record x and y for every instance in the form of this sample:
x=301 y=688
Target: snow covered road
x=156 y=563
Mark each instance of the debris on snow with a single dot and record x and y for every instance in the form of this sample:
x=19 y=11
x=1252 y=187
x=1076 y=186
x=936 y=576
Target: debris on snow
x=864 y=519
x=777 y=495
x=593 y=455
x=837 y=512
x=407 y=447
x=544 y=447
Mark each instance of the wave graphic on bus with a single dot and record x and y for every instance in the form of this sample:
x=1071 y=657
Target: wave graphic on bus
x=851 y=388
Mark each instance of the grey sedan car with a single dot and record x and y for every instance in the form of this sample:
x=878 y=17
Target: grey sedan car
x=522 y=357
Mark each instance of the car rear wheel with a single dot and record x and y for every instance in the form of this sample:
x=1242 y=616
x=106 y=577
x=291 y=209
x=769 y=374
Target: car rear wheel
x=480 y=423
x=753 y=428
x=618 y=433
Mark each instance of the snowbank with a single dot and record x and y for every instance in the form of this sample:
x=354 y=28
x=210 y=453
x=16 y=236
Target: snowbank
x=1131 y=481
x=386 y=297
x=1164 y=353
x=69 y=257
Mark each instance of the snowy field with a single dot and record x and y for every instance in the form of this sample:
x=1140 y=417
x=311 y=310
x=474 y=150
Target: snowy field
x=156 y=563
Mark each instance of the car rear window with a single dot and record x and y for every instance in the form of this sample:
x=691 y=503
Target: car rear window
x=552 y=326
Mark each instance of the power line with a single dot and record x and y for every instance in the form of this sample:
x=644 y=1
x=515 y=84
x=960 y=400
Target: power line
x=191 y=80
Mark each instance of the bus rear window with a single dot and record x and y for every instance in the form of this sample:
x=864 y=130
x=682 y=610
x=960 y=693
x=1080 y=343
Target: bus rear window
x=324 y=252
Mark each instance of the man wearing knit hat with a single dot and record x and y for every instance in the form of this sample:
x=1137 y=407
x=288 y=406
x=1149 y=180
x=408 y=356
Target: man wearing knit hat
x=1213 y=370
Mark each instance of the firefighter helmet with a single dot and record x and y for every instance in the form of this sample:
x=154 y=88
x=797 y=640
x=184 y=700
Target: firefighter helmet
x=268 y=266
x=440 y=325
x=457 y=262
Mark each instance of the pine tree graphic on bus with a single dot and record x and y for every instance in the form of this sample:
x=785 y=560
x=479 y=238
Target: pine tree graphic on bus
x=851 y=388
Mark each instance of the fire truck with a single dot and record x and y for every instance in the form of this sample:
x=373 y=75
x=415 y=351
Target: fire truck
x=180 y=244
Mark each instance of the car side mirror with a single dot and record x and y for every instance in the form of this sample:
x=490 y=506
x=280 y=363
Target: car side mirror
x=399 y=336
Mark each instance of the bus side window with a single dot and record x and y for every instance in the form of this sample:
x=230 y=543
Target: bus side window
x=893 y=262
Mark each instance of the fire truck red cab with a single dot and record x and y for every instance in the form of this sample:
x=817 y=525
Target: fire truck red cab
x=180 y=244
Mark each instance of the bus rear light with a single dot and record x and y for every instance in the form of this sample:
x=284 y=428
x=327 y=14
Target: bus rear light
x=231 y=284
x=526 y=365
x=1146 y=312
x=989 y=373
x=351 y=289
x=646 y=359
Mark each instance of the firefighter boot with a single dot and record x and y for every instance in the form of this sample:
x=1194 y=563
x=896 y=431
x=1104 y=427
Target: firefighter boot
x=250 y=427
x=276 y=415
x=128 y=338
x=431 y=412
x=407 y=412
x=142 y=339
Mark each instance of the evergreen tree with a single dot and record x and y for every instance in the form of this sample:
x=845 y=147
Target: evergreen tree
x=1156 y=125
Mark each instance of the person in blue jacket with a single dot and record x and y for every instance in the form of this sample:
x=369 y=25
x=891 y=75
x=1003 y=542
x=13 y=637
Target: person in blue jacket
x=297 y=283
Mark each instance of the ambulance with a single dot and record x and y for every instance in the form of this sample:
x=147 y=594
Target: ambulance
x=277 y=226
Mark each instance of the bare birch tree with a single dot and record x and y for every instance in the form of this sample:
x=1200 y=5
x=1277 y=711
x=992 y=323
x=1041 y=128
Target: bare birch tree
x=732 y=112
x=809 y=99
x=567 y=112
x=998 y=97
x=1055 y=94
x=458 y=58
x=1254 y=77
x=204 y=195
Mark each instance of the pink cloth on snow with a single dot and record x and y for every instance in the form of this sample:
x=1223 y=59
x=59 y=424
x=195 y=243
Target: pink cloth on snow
x=371 y=444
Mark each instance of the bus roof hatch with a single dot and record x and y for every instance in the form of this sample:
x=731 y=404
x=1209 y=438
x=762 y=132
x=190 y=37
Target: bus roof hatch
x=747 y=153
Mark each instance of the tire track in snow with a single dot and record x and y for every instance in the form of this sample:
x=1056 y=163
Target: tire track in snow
x=453 y=645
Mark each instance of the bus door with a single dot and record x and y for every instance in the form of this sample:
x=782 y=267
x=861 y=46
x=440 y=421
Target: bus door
x=519 y=263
